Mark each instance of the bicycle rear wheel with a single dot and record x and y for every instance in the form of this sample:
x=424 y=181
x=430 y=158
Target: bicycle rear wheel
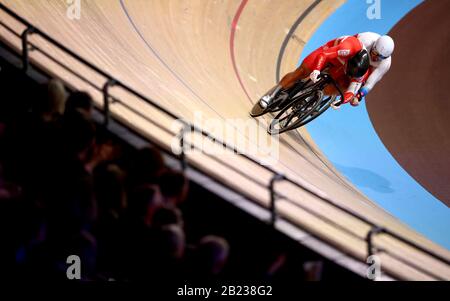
x=292 y=115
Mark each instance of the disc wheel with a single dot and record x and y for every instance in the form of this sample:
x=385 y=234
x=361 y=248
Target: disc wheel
x=293 y=115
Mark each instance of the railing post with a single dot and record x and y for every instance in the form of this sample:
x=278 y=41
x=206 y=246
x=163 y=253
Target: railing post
x=186 y=127
x=25 y=56
x=374 y=231
x=109 y=83
x=275 y=178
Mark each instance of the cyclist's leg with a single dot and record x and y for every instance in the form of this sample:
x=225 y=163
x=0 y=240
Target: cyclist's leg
x=339 y=77
x=291 y=78
x=330 y=90
x=301 y=72
x=286 y=82
x=342 y=82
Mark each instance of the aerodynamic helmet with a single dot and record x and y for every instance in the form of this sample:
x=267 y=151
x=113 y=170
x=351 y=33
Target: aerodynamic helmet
x=358 y=65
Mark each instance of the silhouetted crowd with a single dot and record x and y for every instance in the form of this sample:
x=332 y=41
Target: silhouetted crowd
x=66 y=188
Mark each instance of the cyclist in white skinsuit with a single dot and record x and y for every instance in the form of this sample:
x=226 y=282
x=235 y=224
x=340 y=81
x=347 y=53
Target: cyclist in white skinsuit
x=380 y=49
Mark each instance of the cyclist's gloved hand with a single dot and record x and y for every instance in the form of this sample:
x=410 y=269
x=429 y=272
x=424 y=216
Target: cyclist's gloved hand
x=314 y=76
x=352 y=98
x=355 y=100
x=348 y=96
x=336 y=104
x=360 y=95
x=363 y=92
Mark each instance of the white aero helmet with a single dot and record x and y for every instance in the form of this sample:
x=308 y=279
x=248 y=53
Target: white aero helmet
x=384 y=47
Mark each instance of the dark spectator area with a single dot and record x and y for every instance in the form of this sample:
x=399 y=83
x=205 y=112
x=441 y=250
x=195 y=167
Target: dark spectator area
x=68 y=186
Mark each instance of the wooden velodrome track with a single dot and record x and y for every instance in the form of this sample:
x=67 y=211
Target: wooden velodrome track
x=217 y=58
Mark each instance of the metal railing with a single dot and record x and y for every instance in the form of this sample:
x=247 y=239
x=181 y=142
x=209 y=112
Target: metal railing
x=188 y=127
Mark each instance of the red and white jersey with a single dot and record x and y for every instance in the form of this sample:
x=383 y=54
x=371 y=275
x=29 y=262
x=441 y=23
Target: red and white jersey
x=335 y=53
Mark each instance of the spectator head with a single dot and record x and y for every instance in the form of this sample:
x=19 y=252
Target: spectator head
x=143 y=203
x=171 y=242
x=57 y=96
x=213 y=254
x=79 y=102
x=52 y=105
x=174 y=187
x=148 y=165
x=167 y=215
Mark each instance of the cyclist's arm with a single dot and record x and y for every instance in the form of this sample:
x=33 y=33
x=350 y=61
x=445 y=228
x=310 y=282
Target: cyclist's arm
x=377 y=74
x=354 y=87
